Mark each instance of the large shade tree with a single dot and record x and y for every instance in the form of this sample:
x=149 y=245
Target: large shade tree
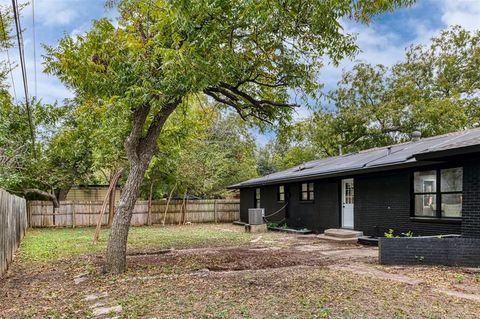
x=244 y=54
x=435 y=89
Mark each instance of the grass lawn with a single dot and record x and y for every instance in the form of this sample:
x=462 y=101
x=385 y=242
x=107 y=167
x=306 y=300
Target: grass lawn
x=47 y=244
x=218 y=271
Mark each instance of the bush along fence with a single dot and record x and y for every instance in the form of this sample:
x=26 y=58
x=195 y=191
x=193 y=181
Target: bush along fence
x=13 y=223
x=82 y=214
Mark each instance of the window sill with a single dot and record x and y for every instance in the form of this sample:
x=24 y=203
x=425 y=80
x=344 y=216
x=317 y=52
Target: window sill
x=436 y=220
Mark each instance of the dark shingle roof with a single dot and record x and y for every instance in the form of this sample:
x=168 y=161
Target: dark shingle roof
x=393 y=155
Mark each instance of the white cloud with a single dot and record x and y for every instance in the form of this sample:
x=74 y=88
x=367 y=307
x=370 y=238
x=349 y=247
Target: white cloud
x=462 y=12
x=381 y=44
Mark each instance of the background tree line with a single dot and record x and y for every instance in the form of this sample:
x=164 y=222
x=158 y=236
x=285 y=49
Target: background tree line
x=435 y=90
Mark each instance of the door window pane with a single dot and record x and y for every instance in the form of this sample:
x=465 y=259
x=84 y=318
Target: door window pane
x=425 y=182
x=349 y=193
x=426 y=205
x=452 y=179
x=451 y=205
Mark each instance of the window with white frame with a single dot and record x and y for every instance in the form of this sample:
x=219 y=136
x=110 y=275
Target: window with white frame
x=281 y=193
x=307 y=192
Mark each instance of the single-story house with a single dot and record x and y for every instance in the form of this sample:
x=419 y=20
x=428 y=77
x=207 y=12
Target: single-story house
x=429 y=186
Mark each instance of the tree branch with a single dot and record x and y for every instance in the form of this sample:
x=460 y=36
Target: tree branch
x=131 y=143
x=147 y=145
x=42 y=194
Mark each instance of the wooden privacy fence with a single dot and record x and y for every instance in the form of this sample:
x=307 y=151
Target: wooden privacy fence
x=81 y=214
x=13 y=223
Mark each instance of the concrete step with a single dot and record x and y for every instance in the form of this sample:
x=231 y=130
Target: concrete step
x=338 y=239
x=343 y=233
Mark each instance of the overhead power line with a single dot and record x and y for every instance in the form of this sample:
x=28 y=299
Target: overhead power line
x=16 y=17
x=34 y=49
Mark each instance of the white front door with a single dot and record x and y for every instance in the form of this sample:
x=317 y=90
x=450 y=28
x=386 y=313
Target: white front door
x=347 y=203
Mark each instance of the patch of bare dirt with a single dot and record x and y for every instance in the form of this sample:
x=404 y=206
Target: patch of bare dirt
x=290 y=251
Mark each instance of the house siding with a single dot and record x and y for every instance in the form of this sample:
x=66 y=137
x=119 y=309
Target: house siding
x=471 y=200
x=317 y=215
x=383 y=201
x=246 y=202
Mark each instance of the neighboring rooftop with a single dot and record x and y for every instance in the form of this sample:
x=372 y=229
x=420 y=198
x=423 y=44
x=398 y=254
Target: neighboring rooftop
x=404 y=154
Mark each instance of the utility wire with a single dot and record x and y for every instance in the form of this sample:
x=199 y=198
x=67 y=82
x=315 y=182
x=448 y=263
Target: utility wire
x=34 y=49
x=5 y=37
x=16 y=17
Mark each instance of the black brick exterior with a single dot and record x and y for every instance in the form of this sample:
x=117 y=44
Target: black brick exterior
x=432 y=251
x=317 y=215
x=471 y=200
x=382 y=201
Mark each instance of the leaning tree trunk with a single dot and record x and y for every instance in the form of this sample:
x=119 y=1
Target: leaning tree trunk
x=140 y=148
x=117 y=242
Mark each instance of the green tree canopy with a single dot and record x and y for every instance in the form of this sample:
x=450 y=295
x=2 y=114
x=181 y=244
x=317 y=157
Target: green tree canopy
x=247 y=55
x=435 y=90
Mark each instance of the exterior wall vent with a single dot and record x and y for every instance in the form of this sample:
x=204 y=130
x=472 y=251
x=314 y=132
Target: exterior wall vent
x=416 y=136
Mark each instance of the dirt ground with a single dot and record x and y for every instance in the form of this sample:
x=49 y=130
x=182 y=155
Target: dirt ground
x=283 y=276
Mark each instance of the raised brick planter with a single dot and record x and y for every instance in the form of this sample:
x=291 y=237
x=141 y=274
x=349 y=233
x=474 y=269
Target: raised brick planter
x=430 y=250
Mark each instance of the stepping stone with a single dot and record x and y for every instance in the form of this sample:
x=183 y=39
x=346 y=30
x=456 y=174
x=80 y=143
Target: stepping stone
x=106 y=310
x=97 y=304
x=375 y=273
x=79 y=280
x=96 y=296
x=256 y=239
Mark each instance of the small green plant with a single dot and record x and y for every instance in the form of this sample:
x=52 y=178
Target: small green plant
x=409 y=233
x=420 y=258
x=390 y=233
x=460 y=278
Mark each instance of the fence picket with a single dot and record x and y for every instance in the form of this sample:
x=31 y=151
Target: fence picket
x=13 y=223
x=78 y=214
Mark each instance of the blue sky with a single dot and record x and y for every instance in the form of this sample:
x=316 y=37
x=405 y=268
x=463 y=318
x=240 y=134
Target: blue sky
x=383 y=41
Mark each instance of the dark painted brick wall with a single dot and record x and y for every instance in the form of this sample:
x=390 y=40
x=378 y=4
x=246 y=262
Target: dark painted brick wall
x=246 y=202
x=318 y=215
x=432 y=251
x=471 y=200
x=268 y=201
x=382 y=201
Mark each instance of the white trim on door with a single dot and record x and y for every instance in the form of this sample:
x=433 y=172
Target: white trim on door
x=348 y=196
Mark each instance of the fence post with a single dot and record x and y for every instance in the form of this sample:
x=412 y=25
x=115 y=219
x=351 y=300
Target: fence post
x=73 y=215
x=29 y=213
x=215 y=210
